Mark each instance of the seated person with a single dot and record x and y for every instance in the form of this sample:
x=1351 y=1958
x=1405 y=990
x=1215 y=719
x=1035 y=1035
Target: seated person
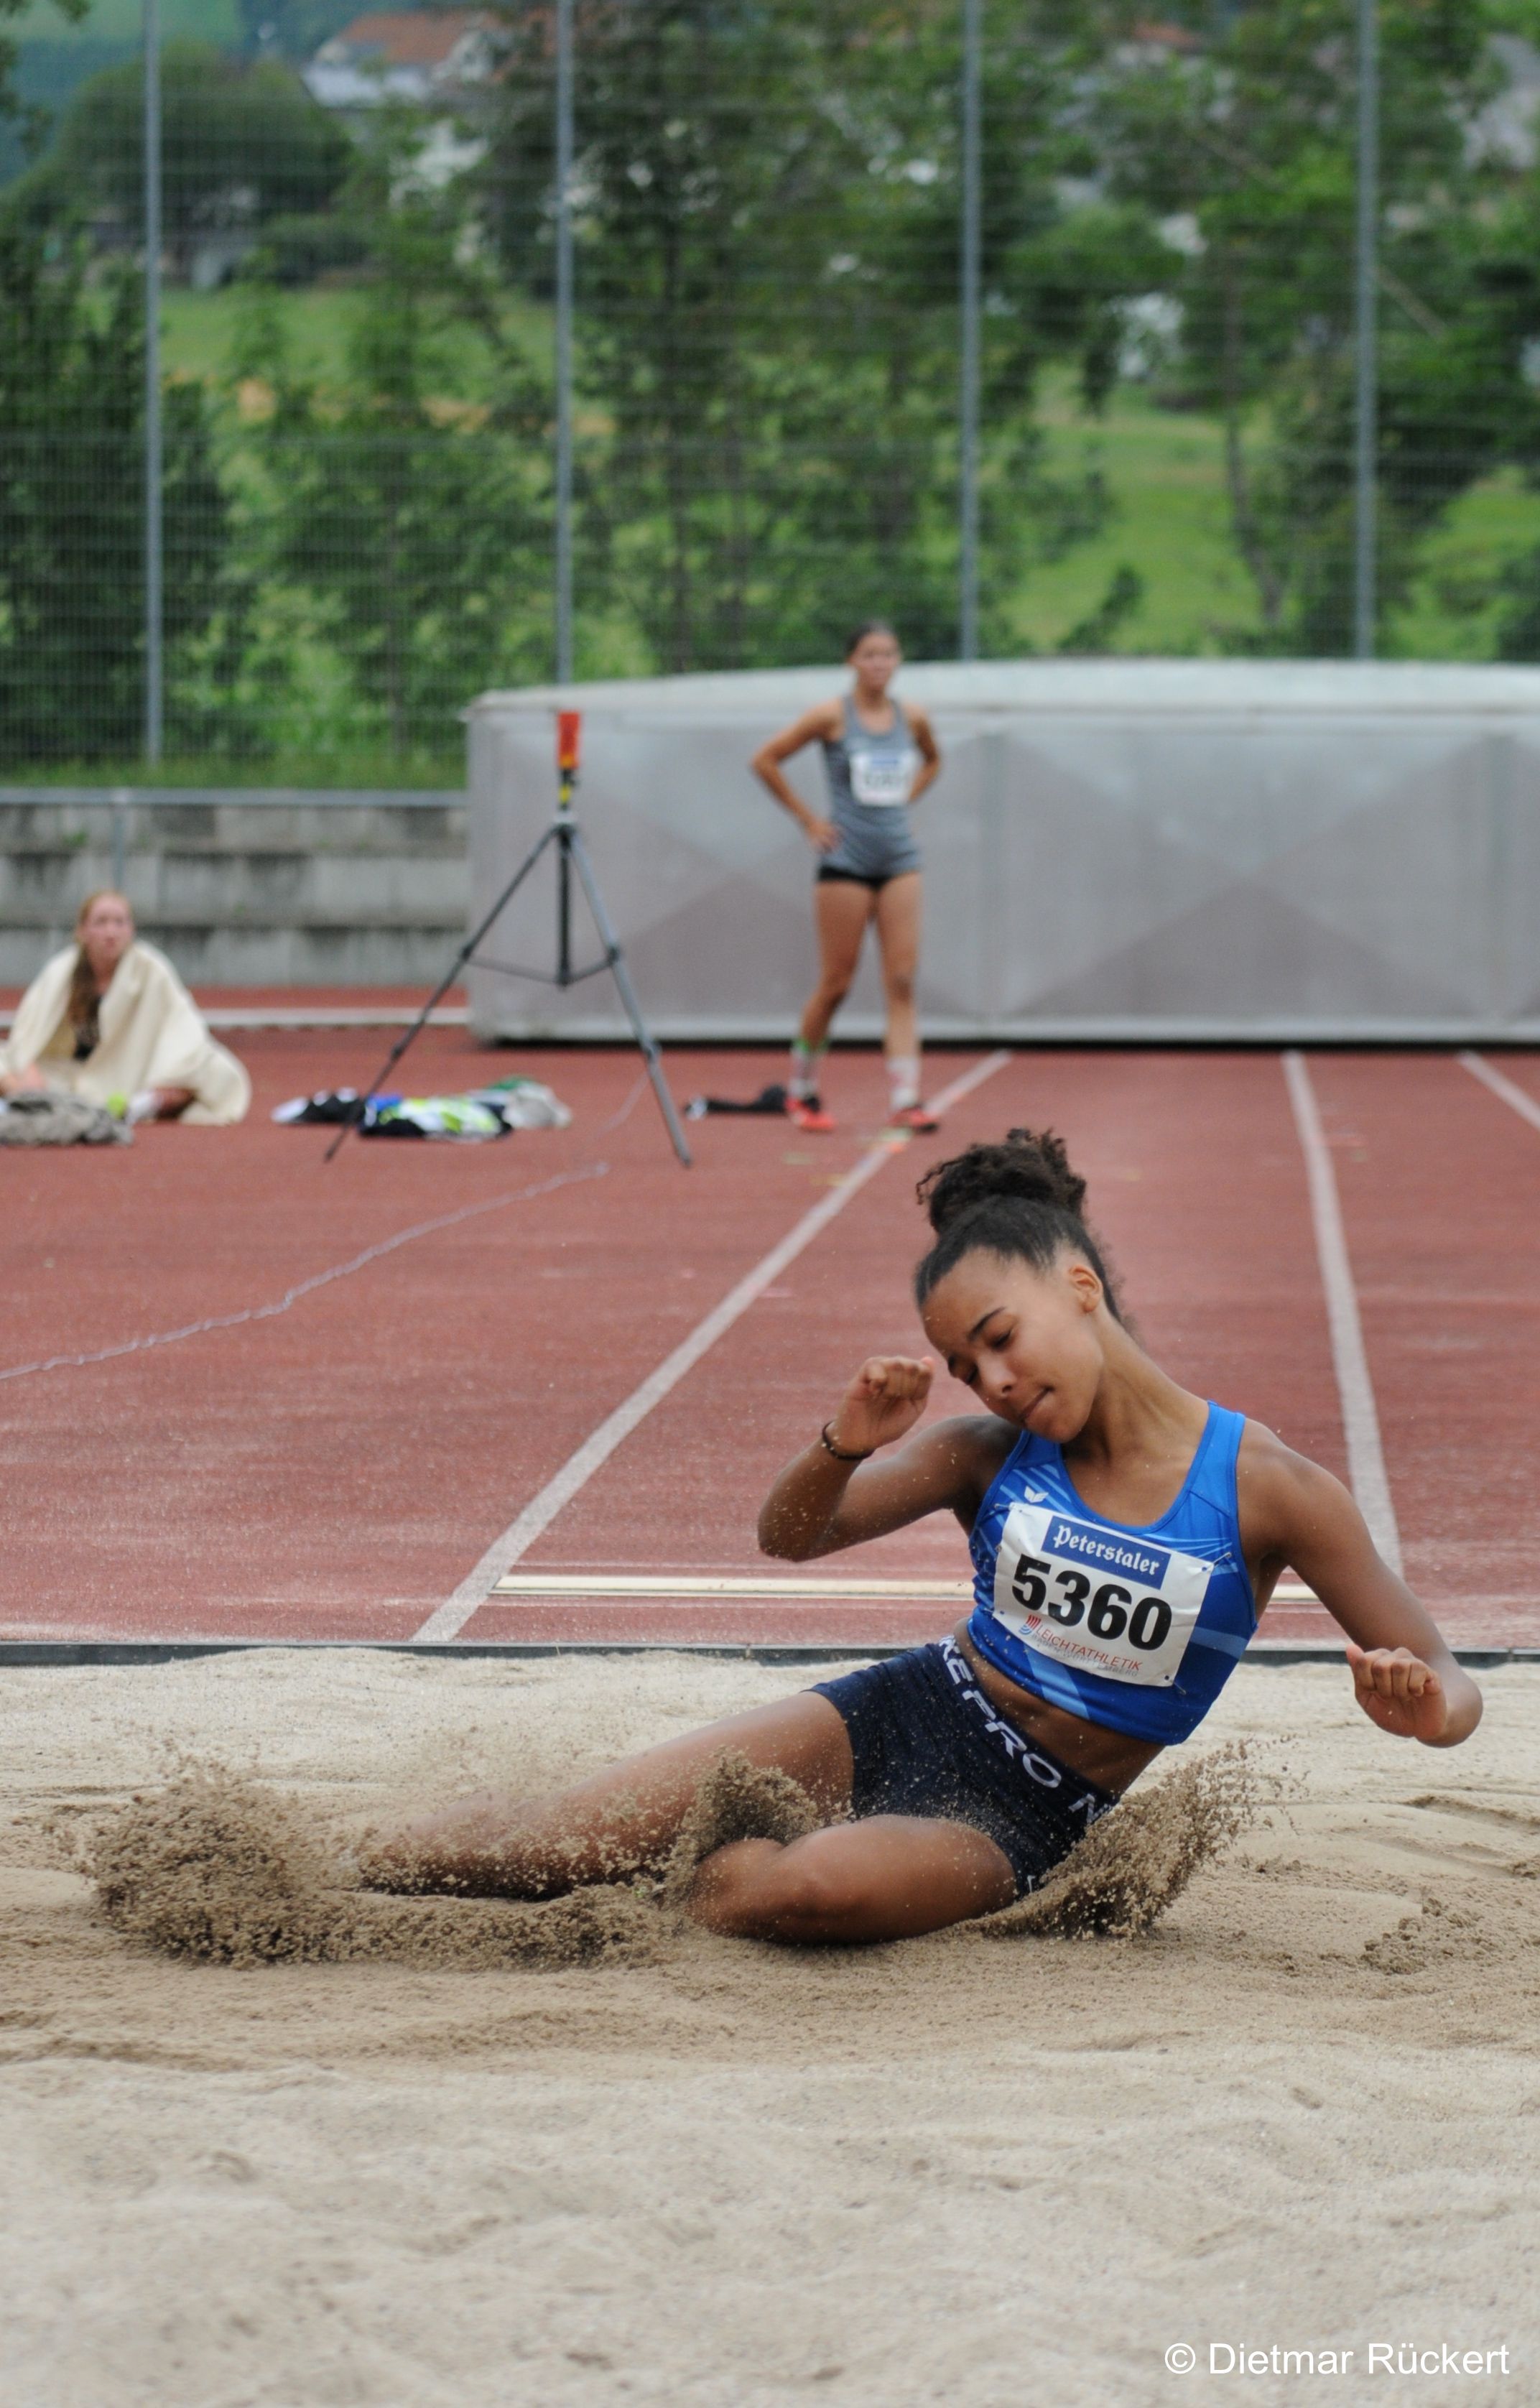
x=109 y=1020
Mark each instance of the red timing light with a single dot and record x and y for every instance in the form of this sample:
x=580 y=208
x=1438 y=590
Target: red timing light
x=568 y=729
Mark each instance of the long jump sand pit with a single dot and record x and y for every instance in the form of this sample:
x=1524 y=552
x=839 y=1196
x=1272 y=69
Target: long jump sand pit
x=1300 y=2112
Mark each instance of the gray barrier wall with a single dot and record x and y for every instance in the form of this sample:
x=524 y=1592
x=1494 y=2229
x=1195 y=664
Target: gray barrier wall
x=1125 y=850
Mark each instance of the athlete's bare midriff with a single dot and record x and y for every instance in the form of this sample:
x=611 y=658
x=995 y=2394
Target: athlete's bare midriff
x=1108 y=1758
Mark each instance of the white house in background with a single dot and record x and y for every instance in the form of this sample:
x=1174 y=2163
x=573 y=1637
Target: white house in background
x=1504 y=130
x=416 y=54
x=433 y=59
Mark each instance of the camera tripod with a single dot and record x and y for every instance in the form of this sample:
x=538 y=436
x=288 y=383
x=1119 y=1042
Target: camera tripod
x=566 y=837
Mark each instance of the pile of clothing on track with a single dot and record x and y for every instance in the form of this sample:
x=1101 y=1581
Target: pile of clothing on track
x=481 y=1112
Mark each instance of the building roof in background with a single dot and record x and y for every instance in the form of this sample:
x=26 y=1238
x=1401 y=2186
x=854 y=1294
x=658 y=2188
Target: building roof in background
x=411 y=53
x=403 y=37
x=1156 y=36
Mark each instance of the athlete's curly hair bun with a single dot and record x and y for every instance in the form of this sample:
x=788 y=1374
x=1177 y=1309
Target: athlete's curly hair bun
x=1031 y=1164
x=1019 y=1201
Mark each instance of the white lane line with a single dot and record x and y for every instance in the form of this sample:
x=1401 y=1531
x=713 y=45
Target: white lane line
x=646 y=1584
x=448 y=1620
x=692 y=1586
x=1366 y=1472
x=1525 y=1106
x=319 y=1015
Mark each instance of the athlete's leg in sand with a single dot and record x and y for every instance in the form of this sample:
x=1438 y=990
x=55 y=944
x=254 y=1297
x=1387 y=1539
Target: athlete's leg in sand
x=499 y=1845
x=842 y=907
x=889 y=1877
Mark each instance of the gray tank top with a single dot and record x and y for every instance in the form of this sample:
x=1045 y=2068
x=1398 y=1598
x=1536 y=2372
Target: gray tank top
x=869 y=782
x=869 y=772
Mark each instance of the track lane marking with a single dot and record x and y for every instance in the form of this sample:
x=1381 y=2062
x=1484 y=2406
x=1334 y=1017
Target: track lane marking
x=448 y=1620
x=1366 y=1472
x=712 y=1585
x=1503 y=1087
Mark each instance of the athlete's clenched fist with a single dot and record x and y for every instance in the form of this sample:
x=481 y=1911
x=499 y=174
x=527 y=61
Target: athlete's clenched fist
x=1399 y=1691
x=883 y=1402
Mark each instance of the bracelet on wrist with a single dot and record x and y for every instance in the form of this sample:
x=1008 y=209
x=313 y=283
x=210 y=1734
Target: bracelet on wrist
x=840 y=1453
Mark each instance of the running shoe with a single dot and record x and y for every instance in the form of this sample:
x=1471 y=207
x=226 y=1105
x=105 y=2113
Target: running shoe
x=808 y=1113
x=915 y=1117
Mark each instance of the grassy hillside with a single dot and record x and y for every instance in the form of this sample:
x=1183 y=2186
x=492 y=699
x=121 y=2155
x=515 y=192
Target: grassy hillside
x=1168 y=520
x=122 y=21
x=1164 y=472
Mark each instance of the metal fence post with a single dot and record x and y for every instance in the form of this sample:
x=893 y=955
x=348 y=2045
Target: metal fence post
x=154 y=685
x=120 y=800
x=1365 y=361
x=967 y=612
x=563 y=341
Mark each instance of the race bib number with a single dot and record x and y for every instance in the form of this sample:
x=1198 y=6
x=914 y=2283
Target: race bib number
x=1096 y=1599
x=882 y=777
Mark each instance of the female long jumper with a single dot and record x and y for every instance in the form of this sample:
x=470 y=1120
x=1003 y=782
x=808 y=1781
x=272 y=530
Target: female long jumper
x=880 y=756
x=1125 y=1536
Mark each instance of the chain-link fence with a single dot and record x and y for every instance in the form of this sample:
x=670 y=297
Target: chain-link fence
x=357 y=353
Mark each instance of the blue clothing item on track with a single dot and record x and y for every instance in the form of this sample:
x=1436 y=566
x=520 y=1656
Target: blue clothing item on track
x=1137 y=1629
x=870 y=778
x=926 y=1740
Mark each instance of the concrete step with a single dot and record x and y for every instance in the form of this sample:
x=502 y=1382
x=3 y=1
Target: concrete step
x=243 y=886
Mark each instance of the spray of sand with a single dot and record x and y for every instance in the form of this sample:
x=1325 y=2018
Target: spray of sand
x=216 y=1866
x=736 y=1800
x=1138 y=1860
x=213 y=1866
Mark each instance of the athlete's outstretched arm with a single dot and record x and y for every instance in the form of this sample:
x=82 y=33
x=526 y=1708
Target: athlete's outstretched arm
x=1404 y=1675
x=819 y=1504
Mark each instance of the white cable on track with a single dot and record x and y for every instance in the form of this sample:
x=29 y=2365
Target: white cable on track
x=337 y=1271
x=448 y=1620
x=1525 y=1106
x=306 y=1287
x=1366 y=1472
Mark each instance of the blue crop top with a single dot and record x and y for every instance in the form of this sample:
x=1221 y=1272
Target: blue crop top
x=1136 y=1630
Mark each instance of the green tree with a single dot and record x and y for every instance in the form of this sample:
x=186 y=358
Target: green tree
x=15 y=116
x=72 y=508
x=241 y=143
x=768 y=308
x=1242 y=148
x=413 y=515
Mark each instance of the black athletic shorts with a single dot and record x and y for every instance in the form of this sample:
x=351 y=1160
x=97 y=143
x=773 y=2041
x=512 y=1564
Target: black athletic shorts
x=828 y=877
x=926 y=1740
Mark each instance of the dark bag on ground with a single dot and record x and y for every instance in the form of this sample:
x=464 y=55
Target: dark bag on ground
x=770 y=1101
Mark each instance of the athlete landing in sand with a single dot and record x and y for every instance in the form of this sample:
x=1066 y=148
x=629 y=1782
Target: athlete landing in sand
x=1124 y=1536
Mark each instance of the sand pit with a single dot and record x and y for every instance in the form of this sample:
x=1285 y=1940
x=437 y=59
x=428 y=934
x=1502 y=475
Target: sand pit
x=459 y=2163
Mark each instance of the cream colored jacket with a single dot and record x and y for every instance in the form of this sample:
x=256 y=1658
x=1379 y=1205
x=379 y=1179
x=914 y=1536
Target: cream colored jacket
x=152 y=1036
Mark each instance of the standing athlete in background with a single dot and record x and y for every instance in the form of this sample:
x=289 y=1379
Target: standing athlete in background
x=880 y=756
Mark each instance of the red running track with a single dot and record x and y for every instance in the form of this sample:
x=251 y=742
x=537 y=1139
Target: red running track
x=335 y=1469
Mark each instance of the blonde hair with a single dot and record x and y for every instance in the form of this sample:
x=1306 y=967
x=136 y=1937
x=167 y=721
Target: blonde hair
x=83 y=993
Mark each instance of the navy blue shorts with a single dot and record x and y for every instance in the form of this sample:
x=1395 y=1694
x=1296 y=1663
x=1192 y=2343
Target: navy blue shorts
x=926 y=1740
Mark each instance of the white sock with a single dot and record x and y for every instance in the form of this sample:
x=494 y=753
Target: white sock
x=805 y=1061
x=904 y=1081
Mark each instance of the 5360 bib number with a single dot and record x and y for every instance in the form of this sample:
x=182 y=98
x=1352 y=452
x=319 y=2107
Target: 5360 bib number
x=1098 y=1600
